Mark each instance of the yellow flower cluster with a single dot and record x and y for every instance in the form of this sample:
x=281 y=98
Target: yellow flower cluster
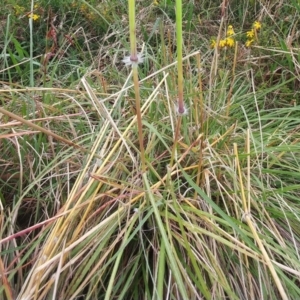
x=252 y=34
x=230 y=31
x=34 y=17
x=226 y=42
x=229 y=40
x=20 y=10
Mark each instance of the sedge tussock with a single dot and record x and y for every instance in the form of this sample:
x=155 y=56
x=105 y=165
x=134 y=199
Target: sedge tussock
x=213 y=213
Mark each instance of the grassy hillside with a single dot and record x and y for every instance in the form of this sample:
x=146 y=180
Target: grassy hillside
x=149 y=150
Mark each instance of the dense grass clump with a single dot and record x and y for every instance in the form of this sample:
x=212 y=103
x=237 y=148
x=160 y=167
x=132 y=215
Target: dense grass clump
x=149 y=150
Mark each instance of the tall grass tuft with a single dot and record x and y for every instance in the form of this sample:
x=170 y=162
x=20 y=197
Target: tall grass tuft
x=106 y=193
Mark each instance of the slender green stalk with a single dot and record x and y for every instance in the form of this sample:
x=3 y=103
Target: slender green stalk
x=31 y=47
x=181 y=108
x=133 y=50
x=180 y=103
x=134 y=58
x=6 y=42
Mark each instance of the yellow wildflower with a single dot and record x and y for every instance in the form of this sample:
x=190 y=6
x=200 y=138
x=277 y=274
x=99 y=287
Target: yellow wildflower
x=256 y=25
x=230 y=42
x=222 y=43
x=155 y=2
x=18 y=9
x=250 y=34
x=230 y=31
x=249 y=43
x=34 y=17
x=213 y=43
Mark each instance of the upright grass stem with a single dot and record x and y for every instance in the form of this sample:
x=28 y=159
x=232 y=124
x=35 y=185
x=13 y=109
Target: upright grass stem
x=181 y=108
x=31 y=46
x=134 y=62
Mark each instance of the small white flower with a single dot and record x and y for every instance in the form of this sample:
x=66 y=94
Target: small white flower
x=181 y=113
x=130 y=60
